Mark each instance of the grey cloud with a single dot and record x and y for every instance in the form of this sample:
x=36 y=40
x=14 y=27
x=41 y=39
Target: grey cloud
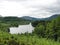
x=13 y=0
x=58 y=1
x=16 y=0
x=53 y=9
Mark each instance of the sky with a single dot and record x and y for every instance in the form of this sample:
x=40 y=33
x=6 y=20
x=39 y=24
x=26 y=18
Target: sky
x=33 y=8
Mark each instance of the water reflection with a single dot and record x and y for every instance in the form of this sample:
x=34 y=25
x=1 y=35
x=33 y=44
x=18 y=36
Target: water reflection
x=22 y=29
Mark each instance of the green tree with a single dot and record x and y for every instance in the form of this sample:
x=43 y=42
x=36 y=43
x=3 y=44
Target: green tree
x=53 y=29
x=13 y=42
x=39 y=30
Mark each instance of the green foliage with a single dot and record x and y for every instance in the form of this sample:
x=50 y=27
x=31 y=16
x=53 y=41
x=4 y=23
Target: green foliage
x=42 y=35
x=49 y=29
x=39 y=30
x=7 y=22
x=12 y=42
x=4 y=27
x=6 y=39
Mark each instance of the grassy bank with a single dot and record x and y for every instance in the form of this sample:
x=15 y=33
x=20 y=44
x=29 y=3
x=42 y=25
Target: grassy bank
x=8 y=39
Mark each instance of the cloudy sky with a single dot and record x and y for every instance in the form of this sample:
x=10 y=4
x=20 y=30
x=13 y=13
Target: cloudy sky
x=34 y=8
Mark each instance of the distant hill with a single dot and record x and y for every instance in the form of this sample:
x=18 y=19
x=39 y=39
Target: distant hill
x=34 y=19
x=52 y=17
x=29 y=18
x=26 y=18
x=14 y=20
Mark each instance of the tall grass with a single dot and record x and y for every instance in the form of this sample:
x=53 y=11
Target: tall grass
x=8 y=39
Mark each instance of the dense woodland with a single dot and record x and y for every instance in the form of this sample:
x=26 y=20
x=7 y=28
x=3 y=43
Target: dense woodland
x=45 y=33
x=6 y=22
x=48 y=29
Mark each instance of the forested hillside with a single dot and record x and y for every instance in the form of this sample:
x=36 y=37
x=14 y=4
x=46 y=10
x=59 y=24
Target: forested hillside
x=46 y=32
x=48 y=29
x=7 y=22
